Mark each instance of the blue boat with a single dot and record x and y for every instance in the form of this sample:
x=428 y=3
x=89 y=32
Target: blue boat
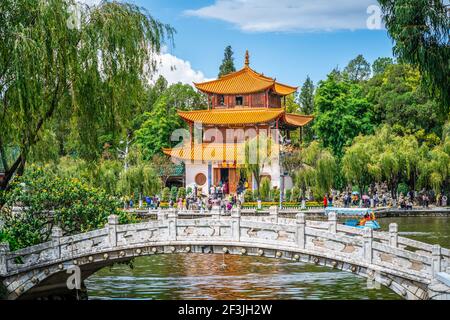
x=373 y=224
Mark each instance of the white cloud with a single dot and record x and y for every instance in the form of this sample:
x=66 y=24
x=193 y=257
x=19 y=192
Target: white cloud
x=170 y=67
x=177 y=70
x=289 y=15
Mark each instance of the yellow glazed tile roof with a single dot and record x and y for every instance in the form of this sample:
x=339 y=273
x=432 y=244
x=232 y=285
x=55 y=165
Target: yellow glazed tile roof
x=297 y=120
x=284 y=90
x=232 y=116
x=244 y=81
x=224 y=152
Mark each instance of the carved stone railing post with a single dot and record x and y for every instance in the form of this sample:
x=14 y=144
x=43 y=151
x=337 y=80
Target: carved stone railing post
x=300 y=236
x=215 y=212
x=172 y=224
x=4 y=250
x=236 y=223
x=332 y=220
x=160 y=214
x=435 y=259
x=273 y=213
x=113 y=221
x=56 y=237
x=367 y=244
x=393 y=235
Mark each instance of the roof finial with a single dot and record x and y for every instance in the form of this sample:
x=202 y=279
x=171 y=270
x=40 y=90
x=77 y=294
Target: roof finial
x=247 y=58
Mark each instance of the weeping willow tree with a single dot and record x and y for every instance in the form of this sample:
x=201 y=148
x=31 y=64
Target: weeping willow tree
x=141 y=179
x=356 y=163
x=382 y=157
x=434 y=167
x=83 y=69
x=420 y=30
x=316 y=171
x=259 y=152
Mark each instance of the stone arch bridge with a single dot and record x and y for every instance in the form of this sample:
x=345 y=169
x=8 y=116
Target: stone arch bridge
x=412 y=269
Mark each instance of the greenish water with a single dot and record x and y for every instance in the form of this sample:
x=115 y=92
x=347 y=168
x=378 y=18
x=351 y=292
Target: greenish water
x=201 y=276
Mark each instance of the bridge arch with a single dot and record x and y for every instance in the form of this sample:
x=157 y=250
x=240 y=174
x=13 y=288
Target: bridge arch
x=324 y=243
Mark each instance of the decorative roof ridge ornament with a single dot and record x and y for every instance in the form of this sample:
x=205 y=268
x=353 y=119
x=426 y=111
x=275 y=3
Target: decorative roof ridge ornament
x=247 y=59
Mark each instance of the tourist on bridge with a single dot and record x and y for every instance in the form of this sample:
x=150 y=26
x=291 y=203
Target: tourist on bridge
x=148 y=200
x=345 y=198
x=376 y=200
x=325 y=201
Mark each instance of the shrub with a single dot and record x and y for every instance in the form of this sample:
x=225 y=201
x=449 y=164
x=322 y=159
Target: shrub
x=173 y=193
x=403 y=188
x=181 y=193
x=287 y=195
x=295 y=194
x=265 y=189
x=165 y=195
x=75 y=206
x=275 y=194
x=248 y=195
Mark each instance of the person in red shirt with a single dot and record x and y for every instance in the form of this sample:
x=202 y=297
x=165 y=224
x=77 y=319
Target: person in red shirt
x=325 y=201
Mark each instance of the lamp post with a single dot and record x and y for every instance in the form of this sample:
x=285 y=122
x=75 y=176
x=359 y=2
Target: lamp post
x=282 y=174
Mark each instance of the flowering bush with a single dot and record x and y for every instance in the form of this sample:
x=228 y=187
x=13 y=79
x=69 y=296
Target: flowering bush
x=45 y=201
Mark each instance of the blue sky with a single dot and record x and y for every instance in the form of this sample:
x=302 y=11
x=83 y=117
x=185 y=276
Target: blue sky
x=287 y=39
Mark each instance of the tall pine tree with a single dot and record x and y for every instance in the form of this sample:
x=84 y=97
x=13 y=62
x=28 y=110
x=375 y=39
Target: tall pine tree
x=306 y=97
x=227 y=65
x=306 y=100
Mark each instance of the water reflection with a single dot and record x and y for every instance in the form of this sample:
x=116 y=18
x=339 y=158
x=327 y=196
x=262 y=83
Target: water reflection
x=201 y=276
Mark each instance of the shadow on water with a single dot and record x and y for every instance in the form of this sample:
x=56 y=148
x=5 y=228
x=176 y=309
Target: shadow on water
x=200 y=276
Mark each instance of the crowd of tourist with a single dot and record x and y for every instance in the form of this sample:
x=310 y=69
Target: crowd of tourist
x=377 y=196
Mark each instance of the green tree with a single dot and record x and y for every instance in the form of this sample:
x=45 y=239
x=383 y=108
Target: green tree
x=227 y=65
x=163 y=166
x=306 y=99
x=358 y=69
x=158 y=125
x=317 y=170
x=380 y=65
x=342 y=112
x=140 y=178
x=87 y=73
x=76 y=207
x=155 y=91
x=357 y=164
x=258 y=153
x=420 y=30
x=306 y=96
x=383 y=156
x=434 y=167
x=265 y=189
x=399 y=99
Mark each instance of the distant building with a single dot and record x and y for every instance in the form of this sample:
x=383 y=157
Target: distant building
x=240 y=104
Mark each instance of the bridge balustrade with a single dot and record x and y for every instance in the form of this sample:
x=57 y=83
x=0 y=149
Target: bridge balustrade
x=270 y=235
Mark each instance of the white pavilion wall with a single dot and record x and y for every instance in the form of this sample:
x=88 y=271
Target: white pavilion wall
x=192 y=170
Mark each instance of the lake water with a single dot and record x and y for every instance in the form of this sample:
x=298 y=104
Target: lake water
x=202 y=276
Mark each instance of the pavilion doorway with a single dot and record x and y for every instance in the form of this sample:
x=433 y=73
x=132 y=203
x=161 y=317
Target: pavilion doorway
x=227 y=175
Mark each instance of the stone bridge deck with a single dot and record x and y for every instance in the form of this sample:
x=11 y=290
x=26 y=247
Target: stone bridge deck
x=413 y=269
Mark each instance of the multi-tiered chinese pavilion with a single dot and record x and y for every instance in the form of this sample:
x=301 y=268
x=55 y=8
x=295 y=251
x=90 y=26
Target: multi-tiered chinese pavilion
x=239 y=103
